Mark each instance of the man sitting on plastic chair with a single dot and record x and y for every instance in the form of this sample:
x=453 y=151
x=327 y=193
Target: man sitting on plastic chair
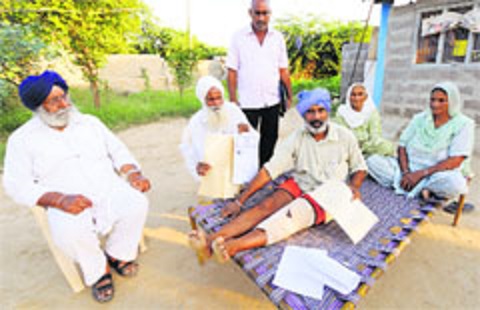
x=71 y=164
x=320 y=152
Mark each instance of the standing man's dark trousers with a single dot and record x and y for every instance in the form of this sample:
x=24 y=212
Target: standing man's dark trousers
x=268 y=119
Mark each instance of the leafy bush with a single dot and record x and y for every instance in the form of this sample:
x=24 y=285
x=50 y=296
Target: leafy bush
x=315 y=46
x=332 y=84
x=156 y=39
x=181 y=52
x=20 y=52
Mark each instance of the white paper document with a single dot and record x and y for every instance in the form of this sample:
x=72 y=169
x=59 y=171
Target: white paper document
x=219 y=155
x=306 y=271
x=245 y=157
x=352 y=215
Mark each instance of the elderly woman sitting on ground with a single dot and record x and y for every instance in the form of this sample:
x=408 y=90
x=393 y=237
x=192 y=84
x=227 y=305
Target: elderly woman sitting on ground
x=360 y=115
x=433 y=151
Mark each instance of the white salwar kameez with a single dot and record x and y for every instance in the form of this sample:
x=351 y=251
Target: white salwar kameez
x=194 y=135
x=193 y=140
x=81 y=159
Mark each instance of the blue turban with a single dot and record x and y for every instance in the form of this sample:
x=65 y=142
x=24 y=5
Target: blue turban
x=36 y=88
x=318 y=96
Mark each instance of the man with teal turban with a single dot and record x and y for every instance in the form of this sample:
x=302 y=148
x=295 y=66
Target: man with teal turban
x=321 y=151
x=71 y=164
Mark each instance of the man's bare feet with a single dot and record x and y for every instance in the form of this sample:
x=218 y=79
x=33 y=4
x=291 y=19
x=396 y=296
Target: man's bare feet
x=198 y=242
x=220 y=250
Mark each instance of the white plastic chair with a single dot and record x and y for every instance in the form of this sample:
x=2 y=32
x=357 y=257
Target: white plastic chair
x=68 y=267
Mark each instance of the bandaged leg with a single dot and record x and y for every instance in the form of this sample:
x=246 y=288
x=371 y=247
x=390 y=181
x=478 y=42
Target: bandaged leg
x=76 y=236
x=294 y=217
x=128 y=211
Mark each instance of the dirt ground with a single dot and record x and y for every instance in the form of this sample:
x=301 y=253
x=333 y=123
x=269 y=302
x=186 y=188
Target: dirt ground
x=439 y=270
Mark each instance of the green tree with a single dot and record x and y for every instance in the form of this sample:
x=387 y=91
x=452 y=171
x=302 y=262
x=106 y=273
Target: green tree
x=315 y=46
x=156 y=39
x=181 y=53
x=182 y=56
x=88 y=30
x=20 y=52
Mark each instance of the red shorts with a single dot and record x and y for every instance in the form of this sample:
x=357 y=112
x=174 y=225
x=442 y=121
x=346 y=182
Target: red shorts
x=291 y=187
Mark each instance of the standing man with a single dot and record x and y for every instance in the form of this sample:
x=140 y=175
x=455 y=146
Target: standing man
x=257 y=61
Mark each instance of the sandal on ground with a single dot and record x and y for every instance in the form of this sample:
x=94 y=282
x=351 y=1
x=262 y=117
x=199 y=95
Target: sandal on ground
x=452 y=208
x=103 y=289
x=125 y=269
x=220 y=250
x=432 y=199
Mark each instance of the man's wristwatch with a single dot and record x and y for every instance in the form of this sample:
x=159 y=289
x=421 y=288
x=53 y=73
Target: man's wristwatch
x=127 y=174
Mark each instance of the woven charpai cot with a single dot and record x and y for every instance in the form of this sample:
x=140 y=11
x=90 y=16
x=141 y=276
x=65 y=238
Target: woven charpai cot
x=399 y=218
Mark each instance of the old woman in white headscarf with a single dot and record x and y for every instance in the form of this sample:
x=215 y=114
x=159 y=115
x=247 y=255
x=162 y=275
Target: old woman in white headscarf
x=216 y=116
x=360 y=115
x=434 y=150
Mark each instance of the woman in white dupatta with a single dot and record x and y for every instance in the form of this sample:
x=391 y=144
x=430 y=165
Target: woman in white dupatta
x=360 y=115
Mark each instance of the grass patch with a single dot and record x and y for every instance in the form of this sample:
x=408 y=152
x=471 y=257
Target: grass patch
x=120 y=111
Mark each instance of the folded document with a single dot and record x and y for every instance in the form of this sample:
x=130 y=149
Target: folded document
x=352 y=216
x=306 y=271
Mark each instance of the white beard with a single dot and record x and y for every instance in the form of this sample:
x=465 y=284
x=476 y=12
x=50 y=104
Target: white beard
x=56 y=119
x=316 y=131
x=217 y=119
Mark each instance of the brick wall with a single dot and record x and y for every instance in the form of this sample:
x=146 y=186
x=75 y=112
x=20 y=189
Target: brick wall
x=349 y=53
x=407 y=85
x=126 y=73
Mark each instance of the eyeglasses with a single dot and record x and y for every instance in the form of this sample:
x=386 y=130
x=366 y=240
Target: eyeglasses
x=57 y=100
x=264 y=13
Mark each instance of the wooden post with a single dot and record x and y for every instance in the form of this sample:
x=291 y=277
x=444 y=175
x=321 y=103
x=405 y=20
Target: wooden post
x=461 y=203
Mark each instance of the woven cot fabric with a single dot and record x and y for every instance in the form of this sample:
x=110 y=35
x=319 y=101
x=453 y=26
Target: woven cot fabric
x=260 y=264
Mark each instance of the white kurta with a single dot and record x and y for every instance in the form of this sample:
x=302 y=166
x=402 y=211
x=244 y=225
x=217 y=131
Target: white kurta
x=81 y=159
x=193 y=140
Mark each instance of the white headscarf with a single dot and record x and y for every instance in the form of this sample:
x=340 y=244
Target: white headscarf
x=455 y=102
x=353 y=118
x=204 y=85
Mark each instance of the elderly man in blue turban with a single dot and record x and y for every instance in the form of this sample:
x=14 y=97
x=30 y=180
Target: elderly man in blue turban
x=320 y=151
x=72 y=165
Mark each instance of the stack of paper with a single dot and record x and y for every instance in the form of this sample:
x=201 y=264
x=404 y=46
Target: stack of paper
x=219 y=155
x=245 y=159
x=306 y=271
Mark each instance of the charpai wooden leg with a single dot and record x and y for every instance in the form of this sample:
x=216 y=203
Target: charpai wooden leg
x=461 y=203
x=194 y=226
